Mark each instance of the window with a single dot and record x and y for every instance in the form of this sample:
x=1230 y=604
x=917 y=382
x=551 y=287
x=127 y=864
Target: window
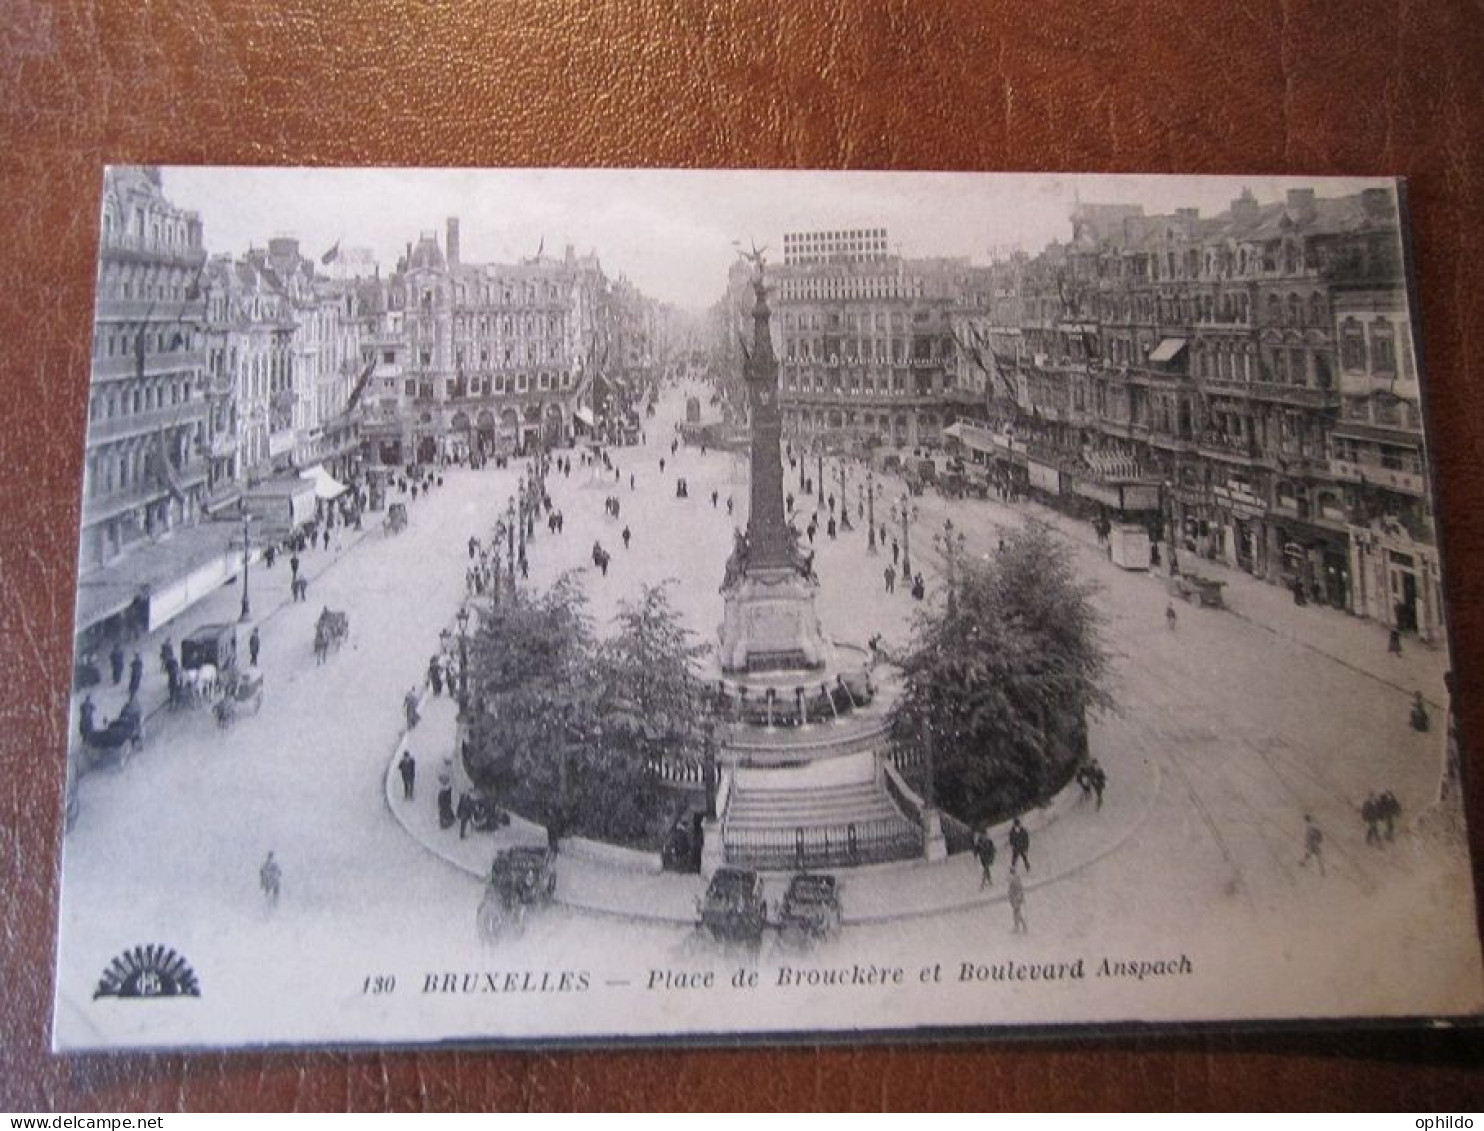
x=1352 y=346
x=1383 y=348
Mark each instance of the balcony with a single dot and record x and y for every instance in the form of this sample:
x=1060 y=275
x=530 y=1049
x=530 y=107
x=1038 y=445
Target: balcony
x=123 y=367
x=1403 y=482
x=132 y=424
x=1302 y=396
x=126 y=245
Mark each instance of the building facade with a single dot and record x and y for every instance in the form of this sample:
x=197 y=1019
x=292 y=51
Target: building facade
x=147 y=462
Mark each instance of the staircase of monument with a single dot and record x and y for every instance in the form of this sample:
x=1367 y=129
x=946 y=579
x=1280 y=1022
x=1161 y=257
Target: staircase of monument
x=773 y=826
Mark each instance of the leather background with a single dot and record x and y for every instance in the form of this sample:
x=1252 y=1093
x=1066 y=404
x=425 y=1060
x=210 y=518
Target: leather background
x=1364 y=86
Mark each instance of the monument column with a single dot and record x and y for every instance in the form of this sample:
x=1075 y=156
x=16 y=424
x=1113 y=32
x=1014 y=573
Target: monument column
x=767 y=531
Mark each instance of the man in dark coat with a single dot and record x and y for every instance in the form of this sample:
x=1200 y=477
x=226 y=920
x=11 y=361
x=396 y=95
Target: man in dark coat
x=85 y=722
x=465 y=813
x=1020 y=845
x=116 y=663
x=254 y=643
x=407 y=767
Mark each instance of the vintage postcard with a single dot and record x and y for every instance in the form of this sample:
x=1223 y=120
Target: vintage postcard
x=561 y=605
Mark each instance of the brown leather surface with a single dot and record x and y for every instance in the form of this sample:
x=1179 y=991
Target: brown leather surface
x=1088 y=85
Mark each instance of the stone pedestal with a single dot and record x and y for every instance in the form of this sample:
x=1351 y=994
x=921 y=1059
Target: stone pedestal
x=934 y=845
x=770 y=623
x=713 y=849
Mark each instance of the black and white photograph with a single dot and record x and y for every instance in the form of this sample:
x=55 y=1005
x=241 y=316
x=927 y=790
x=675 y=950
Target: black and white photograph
x=525 y=606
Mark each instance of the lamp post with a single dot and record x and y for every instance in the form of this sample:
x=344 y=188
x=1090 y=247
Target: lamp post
x=844 y=498
x=246 y=546
x=871 y=512
x=952 y=543
x=909 y=512
x=463 y=619
x=819 y=480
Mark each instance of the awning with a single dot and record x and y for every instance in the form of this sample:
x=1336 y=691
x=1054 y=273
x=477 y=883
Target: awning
x=585 y=415
x=1167 y=350
x=326 y=486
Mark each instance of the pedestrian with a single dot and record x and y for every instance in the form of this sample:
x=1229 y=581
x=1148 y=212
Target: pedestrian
x=715 y=498
x=830 y=528
x=603 y=563
x=631 y=481
x=1420 y=721
x=1313 y=844
x=1389 y=809
x=465 y=814
x=811 y=531
x=85 y=717
x=984 y=849
x=435 y=676
x=116 y=663
x=1098 y=779
x=1020 y=845
x=1394 y=643
x=409 y=707
x=167 y=654
x=294 y=566
x=1017 y=903
x=407 y=767
x=254 y=643
x=270 y=877
x=270 y=555
x=627 y=534
x=1170 y=616
x=172 y=682
x=525 y=568
x=896 y=551
x=730 y=505
x=327 y=538
x=136 y=674
x=446 y=816
x=1370 y=813
x=662 y=465
x=790 y=502
x=890 y=574
x=919 y=588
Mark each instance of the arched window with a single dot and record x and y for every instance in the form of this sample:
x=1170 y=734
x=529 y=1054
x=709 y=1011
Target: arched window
x=1295 y=310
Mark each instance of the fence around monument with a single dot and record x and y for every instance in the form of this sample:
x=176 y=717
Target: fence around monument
x=874 y=841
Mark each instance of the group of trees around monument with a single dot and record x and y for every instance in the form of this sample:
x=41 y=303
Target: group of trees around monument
x=1003 y=674
x=570 y=728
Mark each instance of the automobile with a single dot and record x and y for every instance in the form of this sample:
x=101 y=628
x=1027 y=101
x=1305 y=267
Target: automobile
x=520 y=878
x=733 y=909
x=810 y=911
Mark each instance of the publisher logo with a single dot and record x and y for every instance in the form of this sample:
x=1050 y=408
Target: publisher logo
x=148 y=971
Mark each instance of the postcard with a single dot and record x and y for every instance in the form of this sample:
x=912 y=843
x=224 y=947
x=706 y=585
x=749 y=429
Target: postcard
x=523 y=606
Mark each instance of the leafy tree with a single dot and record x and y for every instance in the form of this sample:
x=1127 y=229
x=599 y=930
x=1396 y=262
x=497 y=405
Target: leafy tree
x=570 y=730
x=1005 y=673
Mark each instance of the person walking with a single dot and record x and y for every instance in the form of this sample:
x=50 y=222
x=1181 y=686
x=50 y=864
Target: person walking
x=1313 y=844
x=465 y=814
x=407 y=767
x=896 y=551
x=1389 y=809
x=254 y=644
x=116 y=663
x=1017 y=904
x=890 y=574
x=270 y=879
x=435 y=676
x=985 y=851
x=167 y=654
x=1170 y=618
x=294 y=566
x=136 y=674
x=627 y=534
x=1020 y=845
x=86 y=712
x=1370 y=813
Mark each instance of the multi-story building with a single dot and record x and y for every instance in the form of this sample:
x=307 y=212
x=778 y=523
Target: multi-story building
x=1202 y=353
x=866 y=348
x=496 y=357
x=852 y=245
x=147 y=462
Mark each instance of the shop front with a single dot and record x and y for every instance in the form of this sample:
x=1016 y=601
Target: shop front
x=1396 y=579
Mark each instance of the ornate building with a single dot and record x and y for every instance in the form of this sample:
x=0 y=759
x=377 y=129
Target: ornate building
x=148 y=458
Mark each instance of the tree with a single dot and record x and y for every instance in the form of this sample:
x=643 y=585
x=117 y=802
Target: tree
x=571 y=730
x=1005 y=673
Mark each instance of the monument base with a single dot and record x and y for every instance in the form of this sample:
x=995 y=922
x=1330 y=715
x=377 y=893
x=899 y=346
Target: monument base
x=770 y=624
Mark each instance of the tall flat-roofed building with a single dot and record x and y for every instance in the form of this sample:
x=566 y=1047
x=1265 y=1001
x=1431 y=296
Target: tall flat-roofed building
x=848 y=245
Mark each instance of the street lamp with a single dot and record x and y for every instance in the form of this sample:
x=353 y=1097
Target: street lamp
x=844 y=498
x=819 y=482
x=871 y=512
x=246 y=603
x=463 y=619
x=952 y=543
x=909 y=512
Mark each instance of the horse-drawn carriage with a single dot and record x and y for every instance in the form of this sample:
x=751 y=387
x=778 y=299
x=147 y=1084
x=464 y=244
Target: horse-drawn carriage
x=733 y=909
x=330 y=631
x=520 y=878
x=207 y=656
x=396 y=518
x=239 y=690
x=1195 y=589
x=810 y=911
x=113 y=743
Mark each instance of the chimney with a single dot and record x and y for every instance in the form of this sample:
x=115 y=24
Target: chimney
x=1376 y=203
x=1244 y=208
x=451 y=244
x=1301 y=204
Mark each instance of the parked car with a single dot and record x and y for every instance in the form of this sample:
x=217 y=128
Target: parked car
x=733 y=909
